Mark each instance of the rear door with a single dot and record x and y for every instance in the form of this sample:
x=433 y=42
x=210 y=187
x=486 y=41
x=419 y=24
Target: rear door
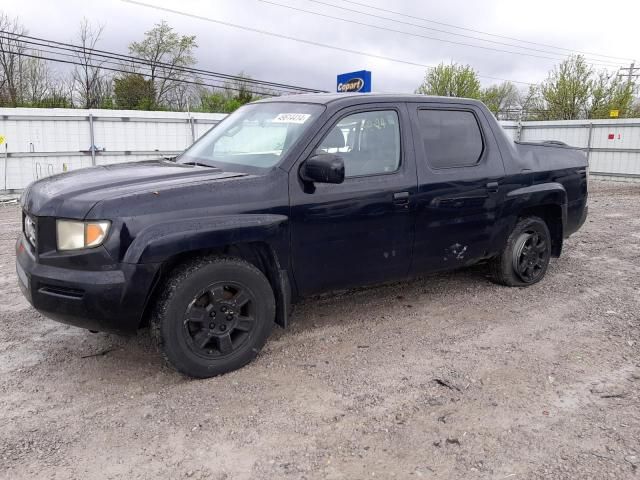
x=460 y=185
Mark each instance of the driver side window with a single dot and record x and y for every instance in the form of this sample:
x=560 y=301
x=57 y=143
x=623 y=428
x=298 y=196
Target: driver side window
x=368 y=142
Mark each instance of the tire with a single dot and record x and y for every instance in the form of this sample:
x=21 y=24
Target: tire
x=525 y=258
x=214 y=315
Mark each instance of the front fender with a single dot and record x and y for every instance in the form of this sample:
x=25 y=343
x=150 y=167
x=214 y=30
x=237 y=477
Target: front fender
x=159 y=242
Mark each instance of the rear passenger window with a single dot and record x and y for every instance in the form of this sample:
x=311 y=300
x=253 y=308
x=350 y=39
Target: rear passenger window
x=451 y=138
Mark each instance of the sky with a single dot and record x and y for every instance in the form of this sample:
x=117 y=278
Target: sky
x=557 y=27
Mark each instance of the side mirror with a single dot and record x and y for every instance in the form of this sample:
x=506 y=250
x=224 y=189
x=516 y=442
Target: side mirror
x=323 y=168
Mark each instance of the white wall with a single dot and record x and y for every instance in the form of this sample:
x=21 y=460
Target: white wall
x=42 y=142
x=617 y=157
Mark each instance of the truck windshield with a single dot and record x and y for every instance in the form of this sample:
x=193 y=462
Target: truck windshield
x=255 y=135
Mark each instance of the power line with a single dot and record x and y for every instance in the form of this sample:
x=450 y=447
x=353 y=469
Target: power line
x=118 y=61
x=129 y=58
x=591 y=61
x=120 y=70
x=405 y=15
x=300 y=40
x=379 y=27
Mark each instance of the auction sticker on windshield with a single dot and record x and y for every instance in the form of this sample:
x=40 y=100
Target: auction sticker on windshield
x=291 y=118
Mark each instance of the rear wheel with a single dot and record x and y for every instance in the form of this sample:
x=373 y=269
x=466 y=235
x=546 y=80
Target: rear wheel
x=214 y=316
x=526 y=256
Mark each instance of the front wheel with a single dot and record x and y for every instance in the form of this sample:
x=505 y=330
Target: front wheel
x=526 y=256
x=214 y=316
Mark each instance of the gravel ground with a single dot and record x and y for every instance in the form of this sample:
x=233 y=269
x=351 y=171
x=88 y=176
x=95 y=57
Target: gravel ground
x=445 y=377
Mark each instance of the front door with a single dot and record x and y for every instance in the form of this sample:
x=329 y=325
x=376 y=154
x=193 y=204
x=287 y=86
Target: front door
x=361 y=231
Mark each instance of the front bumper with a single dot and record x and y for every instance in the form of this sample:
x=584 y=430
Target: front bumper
x=105 y=300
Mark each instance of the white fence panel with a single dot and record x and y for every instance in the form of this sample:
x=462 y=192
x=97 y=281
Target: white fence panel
x=43 y=142
x=613 y=146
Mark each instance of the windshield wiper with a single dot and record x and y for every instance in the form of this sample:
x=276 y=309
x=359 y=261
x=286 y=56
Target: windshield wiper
x=199 y=164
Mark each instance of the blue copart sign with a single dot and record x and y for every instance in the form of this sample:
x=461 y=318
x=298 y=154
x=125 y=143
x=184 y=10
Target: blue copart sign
x=354 y=82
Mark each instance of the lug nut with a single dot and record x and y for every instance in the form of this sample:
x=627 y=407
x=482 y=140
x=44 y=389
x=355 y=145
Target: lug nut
x=212 y=313
x=223 y=328
x=212 y=325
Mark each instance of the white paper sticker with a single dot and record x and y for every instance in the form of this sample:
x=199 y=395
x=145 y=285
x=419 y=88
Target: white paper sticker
x=291 y=118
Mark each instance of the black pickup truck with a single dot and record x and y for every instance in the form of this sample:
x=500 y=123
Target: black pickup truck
x=285 y=198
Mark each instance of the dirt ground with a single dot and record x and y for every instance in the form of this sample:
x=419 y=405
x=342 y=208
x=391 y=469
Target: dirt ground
x=444 y=377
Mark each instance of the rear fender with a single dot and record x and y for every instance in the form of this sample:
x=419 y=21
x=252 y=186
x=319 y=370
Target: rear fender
x=542 y=200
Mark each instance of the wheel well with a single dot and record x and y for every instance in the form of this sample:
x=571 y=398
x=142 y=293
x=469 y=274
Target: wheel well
x=260 y=254
x=552 y=216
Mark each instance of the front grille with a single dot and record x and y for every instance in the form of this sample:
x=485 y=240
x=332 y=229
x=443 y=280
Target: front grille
x=30 y=230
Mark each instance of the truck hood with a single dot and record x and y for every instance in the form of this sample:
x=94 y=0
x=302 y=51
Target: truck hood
x=73 y=194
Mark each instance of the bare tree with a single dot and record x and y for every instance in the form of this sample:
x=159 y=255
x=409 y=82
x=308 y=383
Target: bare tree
x=37 y=80
x=11 y=60
x=90 y=84
x=501 y=99
x=182 y=97
x=531 y=104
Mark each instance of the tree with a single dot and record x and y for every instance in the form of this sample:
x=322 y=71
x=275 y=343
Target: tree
x=501 y=99
x=90 y=84
x=567 y=90
x=530 y=104
x=12 y=49
x=37 y=81
x=452 y=80
x=133 y=92
x=167 y=54
x=610 y=92
x=232 y=96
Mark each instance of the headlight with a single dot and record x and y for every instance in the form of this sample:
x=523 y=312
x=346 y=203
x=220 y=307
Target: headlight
x=73 y=235
x=30 y=230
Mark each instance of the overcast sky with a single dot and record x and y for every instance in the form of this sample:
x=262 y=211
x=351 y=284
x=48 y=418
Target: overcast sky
x=603 y=28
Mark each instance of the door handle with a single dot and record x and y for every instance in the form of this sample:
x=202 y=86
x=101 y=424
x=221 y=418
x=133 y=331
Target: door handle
x=492 y=187
x=401 y=198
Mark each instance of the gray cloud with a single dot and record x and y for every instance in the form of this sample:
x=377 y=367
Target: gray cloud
x=586 y=26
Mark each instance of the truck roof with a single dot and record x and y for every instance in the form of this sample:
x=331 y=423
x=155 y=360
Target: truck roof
x=327 y=98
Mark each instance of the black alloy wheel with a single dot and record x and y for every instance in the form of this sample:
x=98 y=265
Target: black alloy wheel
x=214 y=315
x=220 y=319
x=530 y=256
x=525 y=257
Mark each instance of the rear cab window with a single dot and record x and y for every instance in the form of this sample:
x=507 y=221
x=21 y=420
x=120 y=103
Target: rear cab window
x=451 y=138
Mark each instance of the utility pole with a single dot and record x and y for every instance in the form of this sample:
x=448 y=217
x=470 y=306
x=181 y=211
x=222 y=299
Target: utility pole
x=633 y=72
